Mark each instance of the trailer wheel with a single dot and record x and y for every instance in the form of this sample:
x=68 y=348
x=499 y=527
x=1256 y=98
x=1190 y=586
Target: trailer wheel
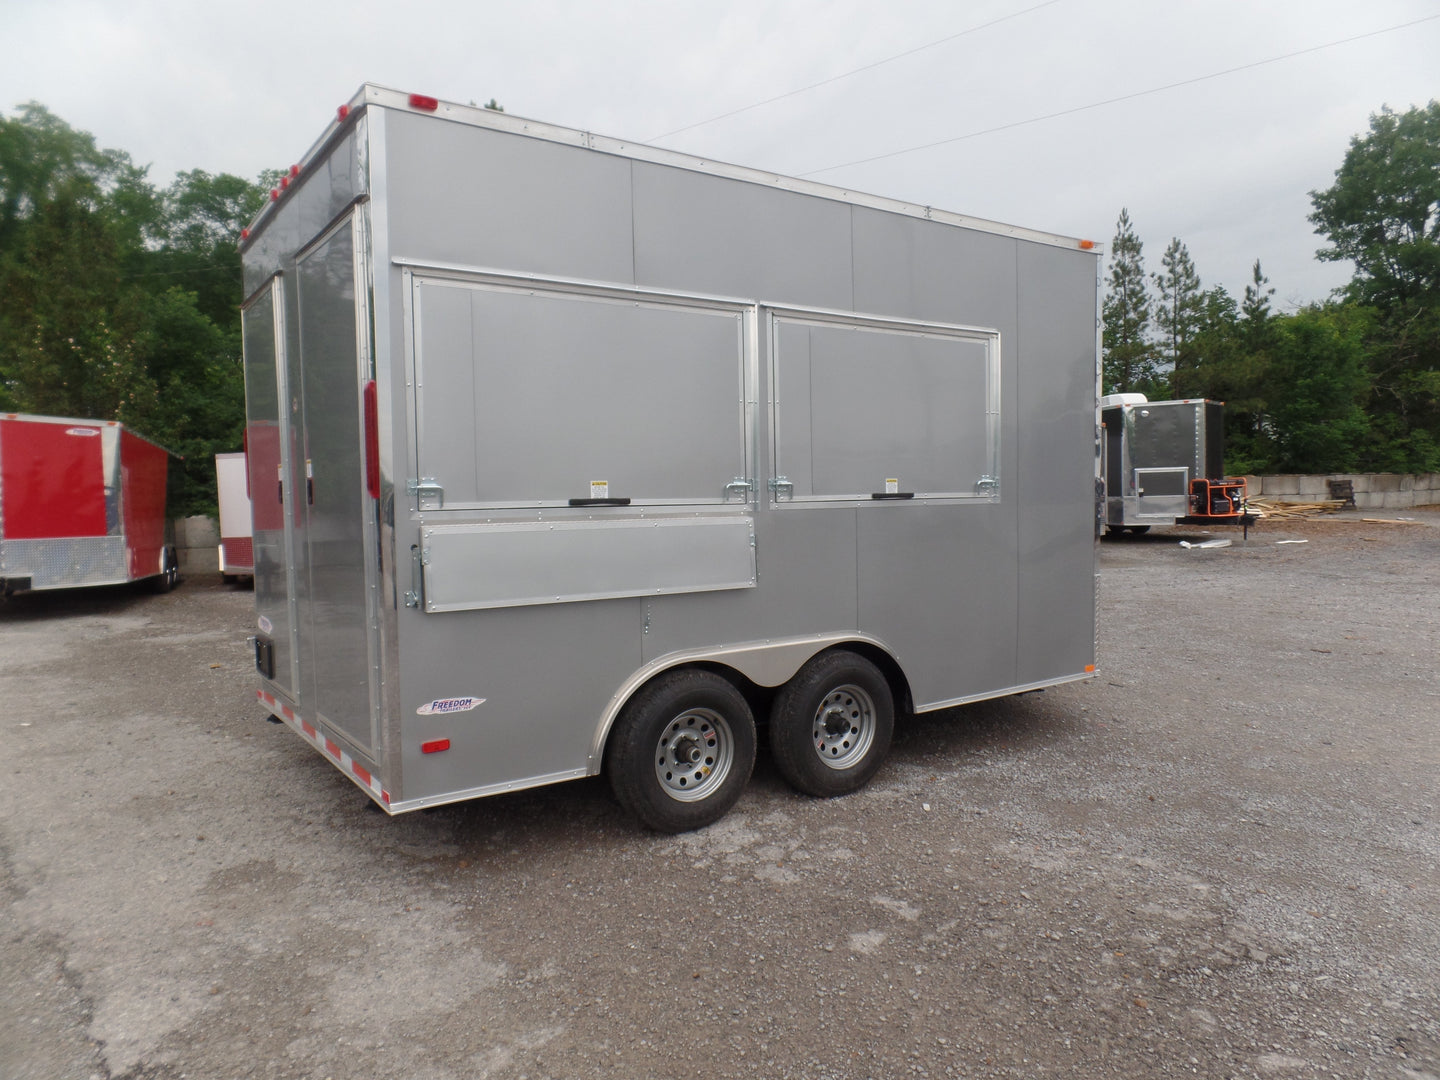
x=831 y=724
x=169 y=574
x=681 y=751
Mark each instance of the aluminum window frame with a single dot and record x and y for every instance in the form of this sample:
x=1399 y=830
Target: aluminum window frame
x=987 y=487
x=414 y=272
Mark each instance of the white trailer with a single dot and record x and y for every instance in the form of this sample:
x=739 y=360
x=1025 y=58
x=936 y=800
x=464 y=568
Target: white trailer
x=232 y=484
x=571 y=455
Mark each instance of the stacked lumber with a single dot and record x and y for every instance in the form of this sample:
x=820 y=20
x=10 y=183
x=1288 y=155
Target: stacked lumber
x=1273 y=509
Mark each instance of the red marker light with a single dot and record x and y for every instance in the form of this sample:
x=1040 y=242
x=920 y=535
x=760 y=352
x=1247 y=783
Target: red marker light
x=372 y=440
x=284 y=182
x=421 y=101
x=434 y=746
x=244 y=234
x=1086 y=245
x=274 y=194
x=342 y=112
x=294 y=170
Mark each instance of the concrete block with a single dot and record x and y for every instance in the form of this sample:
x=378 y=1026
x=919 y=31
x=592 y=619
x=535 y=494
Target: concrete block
x=1313 y=487
x=1397 y=500
x=1407 y=483
x=197 y=531
x=1253 y=486
x=1369 y=500
x=1386 y=481
x=199 y=560
x=1363 y=482
x=1280 y=486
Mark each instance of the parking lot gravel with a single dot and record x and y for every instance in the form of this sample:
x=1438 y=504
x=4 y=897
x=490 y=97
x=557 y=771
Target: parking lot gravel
x=1219 y=858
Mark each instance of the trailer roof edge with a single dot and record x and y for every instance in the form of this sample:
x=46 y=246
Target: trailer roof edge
x=479 y=116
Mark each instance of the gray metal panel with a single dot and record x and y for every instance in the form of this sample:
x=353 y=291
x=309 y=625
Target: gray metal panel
x=1057 y=364
x=309 y=203
x=1212 y=443
x=805 y=568
x=1166 y=434
x=527 y=396
x=398 y=101
x=858 y=406
x=265 y=425
x=520 y=563
x=917 y=269
x=707 y=234
x=938 y=583
x=464 y=194
x=335 y=620
x=545 y=681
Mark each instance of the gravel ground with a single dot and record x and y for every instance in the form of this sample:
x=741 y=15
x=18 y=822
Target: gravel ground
x=1217 y=859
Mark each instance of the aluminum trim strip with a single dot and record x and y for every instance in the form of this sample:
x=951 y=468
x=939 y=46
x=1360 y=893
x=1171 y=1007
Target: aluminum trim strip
x=370 y=94
x=950 y=703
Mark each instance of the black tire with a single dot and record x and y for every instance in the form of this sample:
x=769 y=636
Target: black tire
x=831 y=725
x=682 y=751
x=164 y=581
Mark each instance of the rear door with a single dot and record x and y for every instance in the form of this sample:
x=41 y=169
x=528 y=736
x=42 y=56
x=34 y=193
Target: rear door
x=268 y=441
x=339 y=529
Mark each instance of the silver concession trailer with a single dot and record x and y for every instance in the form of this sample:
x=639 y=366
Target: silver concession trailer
x=571 y=455
x=1163 y=463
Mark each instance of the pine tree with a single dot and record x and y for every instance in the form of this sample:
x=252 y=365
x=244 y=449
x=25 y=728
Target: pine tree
x=1180 y=308
x=1129 y=355
x=1256 y=306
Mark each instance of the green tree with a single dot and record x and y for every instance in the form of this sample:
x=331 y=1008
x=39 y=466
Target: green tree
x=201 y=222
x=1318 y=422
x=1255 y=308
x=1229 y=368
x=1383 y=211
x=1383 y=214
x=1129 y=356
x=1178 y=310
x=118 y=301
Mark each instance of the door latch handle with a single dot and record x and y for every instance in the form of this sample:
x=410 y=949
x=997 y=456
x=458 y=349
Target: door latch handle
x=426 y=488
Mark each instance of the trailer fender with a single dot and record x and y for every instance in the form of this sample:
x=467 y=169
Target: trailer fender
x=765 y=663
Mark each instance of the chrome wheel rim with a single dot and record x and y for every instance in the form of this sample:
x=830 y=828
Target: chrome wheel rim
x=694 y=755
x=843 y=728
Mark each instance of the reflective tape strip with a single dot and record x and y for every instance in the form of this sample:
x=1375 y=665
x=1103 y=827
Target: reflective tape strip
x=328 y=747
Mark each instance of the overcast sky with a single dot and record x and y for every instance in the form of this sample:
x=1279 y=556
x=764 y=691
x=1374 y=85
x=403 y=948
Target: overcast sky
x=1224 y=163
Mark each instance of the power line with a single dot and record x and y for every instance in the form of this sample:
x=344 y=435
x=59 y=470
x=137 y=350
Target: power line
x=1114 y=100
x=856 y=71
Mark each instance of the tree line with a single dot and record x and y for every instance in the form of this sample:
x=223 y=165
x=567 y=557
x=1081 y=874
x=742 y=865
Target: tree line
x=1350 y=384
x=120 y=300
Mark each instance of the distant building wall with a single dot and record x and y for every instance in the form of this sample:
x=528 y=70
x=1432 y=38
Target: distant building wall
x=197 y=544
x=1373 y=491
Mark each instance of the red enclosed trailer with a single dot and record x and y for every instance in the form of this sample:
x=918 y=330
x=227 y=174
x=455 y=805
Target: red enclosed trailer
x=82 y=502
